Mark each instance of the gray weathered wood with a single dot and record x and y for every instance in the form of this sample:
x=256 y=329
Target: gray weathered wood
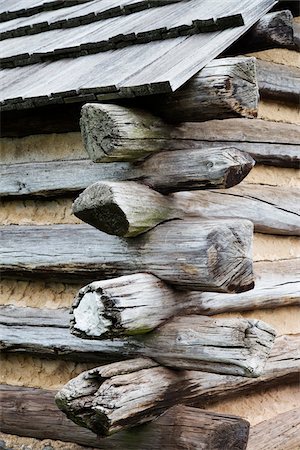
x=136 y=304
x=275 y=29
x=225 y=88
x=115 y=133
x=233 y=346
x=297 y=35
x=32 y=412
x=272 y=209
x=278 y=81
x=123 y=209
x=125 y=394
x=129 y=209
x=165 y=171
x=282 y=432
x=230 y=346
x=195 y=254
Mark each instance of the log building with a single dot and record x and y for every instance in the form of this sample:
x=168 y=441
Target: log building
x=150 y=222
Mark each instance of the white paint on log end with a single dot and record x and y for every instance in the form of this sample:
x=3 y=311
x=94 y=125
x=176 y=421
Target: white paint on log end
x=88 y=317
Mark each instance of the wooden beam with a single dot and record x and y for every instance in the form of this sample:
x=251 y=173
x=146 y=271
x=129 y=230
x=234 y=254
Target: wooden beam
x=273 y=30
x=115 y=133
x=227 y=87
x=32 y=412
x=200 y=255
x=278 y=81
x=165 y=171
x=272 y=209
x=193 y=342
x=138 y=303
x=136 y=391
x=128 y=209
x=281 y=432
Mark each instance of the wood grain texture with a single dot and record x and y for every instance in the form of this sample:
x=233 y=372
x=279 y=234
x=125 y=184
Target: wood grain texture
x=279 y=433
x=116 y=207
x=272 y=209
x=136 y=304
x=249 y=341
x=165 y=171
x=33 y=413
x=116 y=133
x=104 y=398
x=275 y=29
x=227 y=87
x=278 y=81
x=200 y=255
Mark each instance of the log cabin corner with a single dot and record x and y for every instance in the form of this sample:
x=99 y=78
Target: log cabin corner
x=149 y=225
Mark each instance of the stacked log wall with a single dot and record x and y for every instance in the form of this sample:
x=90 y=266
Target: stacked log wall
x=53 y=374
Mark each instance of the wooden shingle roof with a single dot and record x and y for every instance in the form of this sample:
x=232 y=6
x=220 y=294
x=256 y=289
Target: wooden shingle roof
x=99 y=50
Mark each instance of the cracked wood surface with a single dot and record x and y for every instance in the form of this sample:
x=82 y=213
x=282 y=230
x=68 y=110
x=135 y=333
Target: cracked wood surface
x=282 y=432
x=200 y=255
x=129 y=209
x=192 y=342
x=124 y=387
x=138 y=303
x=116 y=133
x=165 y=171
x=33 y=413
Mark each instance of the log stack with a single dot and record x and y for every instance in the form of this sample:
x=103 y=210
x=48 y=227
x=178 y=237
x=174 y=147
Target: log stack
x=166 y=246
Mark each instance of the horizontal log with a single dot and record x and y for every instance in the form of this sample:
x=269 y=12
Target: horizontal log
x=278 y=81
x=273 y=30
x=200 y=255
x=281 y=432
x=115 y=208
x=109 y=398
x=227 y=87
x=248 y=341
x=272 y=209
x=136 y=304
x=166 y=172
x=123 y=209
x=32 y=412
x=115 y=133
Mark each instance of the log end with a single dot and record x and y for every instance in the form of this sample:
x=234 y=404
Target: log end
x=96 y=206
x=98 y=131
x=237 y=172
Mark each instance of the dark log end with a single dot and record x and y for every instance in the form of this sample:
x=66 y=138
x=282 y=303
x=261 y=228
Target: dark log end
x=98 y=131
x=96 y=206
x=232 y=436
x=236 y=173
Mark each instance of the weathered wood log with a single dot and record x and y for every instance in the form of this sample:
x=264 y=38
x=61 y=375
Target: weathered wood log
x=166 y=172
x=282 y=432
x=273 y=30
x=32 y=412
x=136 y=304
x=226 y=87
x=128 y=305
x=297 y=35
x=123 y=209
x=115 y=208
x=234 y=346
x=200 y=255
x=278 y=81
x=20 y=331
x=115 y=133
x=108 y=398
x=272 y=209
